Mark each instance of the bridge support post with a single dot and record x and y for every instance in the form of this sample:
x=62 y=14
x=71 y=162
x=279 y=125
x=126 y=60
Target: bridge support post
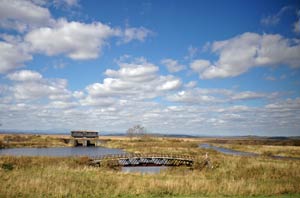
x=84 y=143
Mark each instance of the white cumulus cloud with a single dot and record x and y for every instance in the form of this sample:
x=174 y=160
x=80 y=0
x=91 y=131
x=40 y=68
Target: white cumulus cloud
x=22 y=14
x=12 y=56
x=76 y=40
x=30 y=85
x=137 y=80
x=25 y=75
x=239 y=54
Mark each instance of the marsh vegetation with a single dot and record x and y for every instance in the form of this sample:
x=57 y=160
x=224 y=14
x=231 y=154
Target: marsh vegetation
x=32 y=141
x=232 y=176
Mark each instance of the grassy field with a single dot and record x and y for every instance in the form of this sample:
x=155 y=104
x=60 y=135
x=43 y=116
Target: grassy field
x=36 y=141
x=71 y=177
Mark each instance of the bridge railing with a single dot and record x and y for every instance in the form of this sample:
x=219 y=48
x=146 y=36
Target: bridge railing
x=135 y=155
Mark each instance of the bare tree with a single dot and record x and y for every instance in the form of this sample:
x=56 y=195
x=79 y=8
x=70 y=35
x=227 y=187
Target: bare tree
x=136 y=130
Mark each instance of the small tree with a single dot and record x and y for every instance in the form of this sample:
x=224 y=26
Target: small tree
x=136 y=130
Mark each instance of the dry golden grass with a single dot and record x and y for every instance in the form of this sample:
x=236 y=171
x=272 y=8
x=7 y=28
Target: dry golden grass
x=20 y=140
x=231 y=176
x=69 y=177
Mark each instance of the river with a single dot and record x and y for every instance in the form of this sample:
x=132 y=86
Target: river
x=242 y=153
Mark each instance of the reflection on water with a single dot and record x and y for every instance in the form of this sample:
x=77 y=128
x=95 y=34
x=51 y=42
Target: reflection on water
x=144 y=169
x=61 y=151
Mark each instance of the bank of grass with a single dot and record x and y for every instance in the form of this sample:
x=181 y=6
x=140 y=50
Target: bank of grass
x=32 y=141
x=71 y=177
x=157 y=145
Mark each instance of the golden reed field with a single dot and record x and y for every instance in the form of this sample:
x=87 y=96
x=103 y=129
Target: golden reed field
x=229 y=176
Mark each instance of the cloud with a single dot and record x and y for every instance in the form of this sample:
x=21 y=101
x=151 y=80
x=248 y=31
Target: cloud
x=200 y=96
x=286 y=105
x=30 y=85
x=172 y=65
x=246 y=95
x=274 y=19
x=192 y=51
x=191 y=84
x=62 y=105
x=171 y=84
x=76 y=40
x=192 y=97
x=25 y=75
x=132 y=33
x=94 y=101
x=239 y=54
x=78 y=94
x=12 y=56
x=199 y=65
x=198 y=111
x=40 y=33
x=137 y=71
x=297 y=24
x=66 y=3
x=135 y=80
x=22 y=15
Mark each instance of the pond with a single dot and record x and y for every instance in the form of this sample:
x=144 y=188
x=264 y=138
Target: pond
x=61 y=151
x=79 y=151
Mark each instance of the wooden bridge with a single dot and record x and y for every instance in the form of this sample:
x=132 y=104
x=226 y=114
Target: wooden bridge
x=142 y=160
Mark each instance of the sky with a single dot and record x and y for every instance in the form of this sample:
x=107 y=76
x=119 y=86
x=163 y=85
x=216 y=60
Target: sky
x=176 y=67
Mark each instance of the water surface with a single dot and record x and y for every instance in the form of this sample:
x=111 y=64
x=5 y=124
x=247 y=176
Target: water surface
x=227 y=151
x=80 y=151
x=144 y=169
x=242 y=153
x=61 y=151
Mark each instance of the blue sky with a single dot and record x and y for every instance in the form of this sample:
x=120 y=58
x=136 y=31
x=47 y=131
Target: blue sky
x=188 y=67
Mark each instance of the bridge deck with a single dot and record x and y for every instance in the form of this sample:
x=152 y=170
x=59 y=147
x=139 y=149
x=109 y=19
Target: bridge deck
x=143 y=160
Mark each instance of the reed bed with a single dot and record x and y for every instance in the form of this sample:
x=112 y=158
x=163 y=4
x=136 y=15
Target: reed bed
x=230 y=176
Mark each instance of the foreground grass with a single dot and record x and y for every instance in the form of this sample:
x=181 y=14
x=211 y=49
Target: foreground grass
x=70 y=177
x=230 y=177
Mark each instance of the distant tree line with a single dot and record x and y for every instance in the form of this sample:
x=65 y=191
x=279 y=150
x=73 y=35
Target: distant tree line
x=136 y=130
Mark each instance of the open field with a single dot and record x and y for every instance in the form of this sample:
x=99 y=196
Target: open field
x=71 y=177
x=28 y=140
